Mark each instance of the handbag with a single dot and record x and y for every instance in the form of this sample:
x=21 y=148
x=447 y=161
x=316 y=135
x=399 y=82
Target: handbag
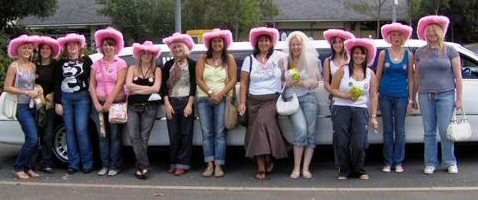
x=459 y=129
x=286 y=108
x=231 y=116
x=118 y=112
x=9 y=105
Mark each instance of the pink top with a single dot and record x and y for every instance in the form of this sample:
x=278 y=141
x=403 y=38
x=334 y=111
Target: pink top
x=109 y=78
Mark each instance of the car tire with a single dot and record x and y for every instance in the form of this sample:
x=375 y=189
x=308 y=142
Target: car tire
x=59 y=145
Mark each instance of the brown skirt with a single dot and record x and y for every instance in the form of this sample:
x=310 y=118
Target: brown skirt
x=264 y=136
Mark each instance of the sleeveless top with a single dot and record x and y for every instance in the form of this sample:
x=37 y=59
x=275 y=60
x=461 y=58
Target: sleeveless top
x=141 y=98
x=25 y=81
x=299 y=91
x=394 y=82
x=215 y=78
x=182 y=86
x=346 y=85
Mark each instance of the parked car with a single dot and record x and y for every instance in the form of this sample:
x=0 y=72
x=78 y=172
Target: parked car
x=11 y=132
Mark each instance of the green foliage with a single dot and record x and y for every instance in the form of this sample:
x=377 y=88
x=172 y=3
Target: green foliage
x=14 y=9
x=4 y=59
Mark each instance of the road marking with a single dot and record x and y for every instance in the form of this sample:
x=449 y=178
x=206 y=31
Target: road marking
x=214 y=188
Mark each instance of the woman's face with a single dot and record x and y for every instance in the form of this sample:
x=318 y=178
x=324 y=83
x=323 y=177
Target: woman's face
x=359 y=56
x=396 y=38
x=45 y=52
x=108 y=50
x=25 y=50
x=338 y=44
x=264 y=44
x=295 y=46
x=73 y=48
x=217 y=44
x=432 y=35
x=146 y=56
x=177 y=49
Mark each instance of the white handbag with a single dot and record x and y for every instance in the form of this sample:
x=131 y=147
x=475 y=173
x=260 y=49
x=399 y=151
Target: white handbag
x=459 y=129
x=9 y=103
x=286 y=108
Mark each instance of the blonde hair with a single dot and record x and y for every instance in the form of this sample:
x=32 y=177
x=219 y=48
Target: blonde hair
x=441 y=38
x=309 y=57
x=187 y=51
x=140 y=62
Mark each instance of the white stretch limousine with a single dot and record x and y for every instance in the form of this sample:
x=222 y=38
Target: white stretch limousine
x=11 y=132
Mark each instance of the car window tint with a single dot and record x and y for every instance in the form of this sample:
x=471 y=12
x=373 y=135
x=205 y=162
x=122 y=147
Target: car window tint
x=469 y=66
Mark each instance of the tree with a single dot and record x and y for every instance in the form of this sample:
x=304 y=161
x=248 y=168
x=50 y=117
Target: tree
x=14 y=9
x=371 y=6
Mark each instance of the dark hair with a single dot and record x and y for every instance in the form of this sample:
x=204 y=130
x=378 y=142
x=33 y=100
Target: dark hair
x=37 y=55
x=364 y=65
x=108 y=41
x=224 y=53
x=256 y=50
x=335 y=53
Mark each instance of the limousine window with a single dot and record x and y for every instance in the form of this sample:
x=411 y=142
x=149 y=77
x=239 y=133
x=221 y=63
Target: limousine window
x=469 y=66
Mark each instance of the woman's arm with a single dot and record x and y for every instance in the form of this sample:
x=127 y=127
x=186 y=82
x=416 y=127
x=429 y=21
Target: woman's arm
x=327 y=76
x=416 y=85
x=93 y=95
x=456 y=63
x=336 y=79
x=377 y=81
x=232 y=76
x=200 y=74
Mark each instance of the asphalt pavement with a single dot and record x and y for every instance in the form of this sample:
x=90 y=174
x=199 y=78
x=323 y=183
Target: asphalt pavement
x=239 y=182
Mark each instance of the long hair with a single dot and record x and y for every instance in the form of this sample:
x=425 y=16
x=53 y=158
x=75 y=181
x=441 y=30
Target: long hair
x=342 y=53
x=66 y=55
x=110 y=42
x=363 y=65
x=256 y=49
x=308 y=58
x=441 y=39
x=37 y=56
x=224 y=52
x=175 y=71
x=151 y=67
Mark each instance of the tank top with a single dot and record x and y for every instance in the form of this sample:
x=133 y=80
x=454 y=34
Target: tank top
x=215 y=78
x=141 y=98
x=25 y=81
x=346 y=85
x=394 y=82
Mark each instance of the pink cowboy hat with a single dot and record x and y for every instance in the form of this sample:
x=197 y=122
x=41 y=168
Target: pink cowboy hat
x=55 y=46
x=396 y=27
x=146 y=46
x=72 y=37
x=330 y=34
x=362 y=42
x=259 y=31
x=17 y=43
x=178 y=37
x=226 y=35
x=109 y=33
x=424 y=22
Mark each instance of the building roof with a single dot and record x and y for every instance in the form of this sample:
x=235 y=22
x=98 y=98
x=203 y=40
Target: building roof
x=336 y=10
x=70 y=13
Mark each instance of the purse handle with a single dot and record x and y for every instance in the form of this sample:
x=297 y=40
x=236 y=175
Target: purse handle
x=463 y=115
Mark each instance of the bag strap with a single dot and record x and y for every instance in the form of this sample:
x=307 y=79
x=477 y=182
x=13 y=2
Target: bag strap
x=16 y=74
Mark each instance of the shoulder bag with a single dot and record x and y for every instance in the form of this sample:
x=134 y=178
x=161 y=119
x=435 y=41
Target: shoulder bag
x=459 y=129
x=9 y=106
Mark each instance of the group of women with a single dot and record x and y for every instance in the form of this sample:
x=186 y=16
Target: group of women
x=77 y=89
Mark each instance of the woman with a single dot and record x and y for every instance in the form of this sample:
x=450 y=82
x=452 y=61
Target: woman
x=437 y=97
x=302 y=60
x=20 y=80
x=394 y=81
x=107 y=80
x=49 y=51
x=260 y=87
x=72 y=101
x=178 y=91
x=350 y=117
x=216 y=77
x=143 y=81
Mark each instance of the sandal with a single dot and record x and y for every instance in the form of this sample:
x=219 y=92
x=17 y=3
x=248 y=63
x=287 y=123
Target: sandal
x=261 y=175
x=22 y=175
x=295 y=174
x=139 y=174
x=306 y=174
x=269 y=167
x=33 y=174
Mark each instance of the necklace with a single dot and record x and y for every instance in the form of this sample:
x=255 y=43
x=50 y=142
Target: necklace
x=142 y=71
x=396 y=56
x=216 y=59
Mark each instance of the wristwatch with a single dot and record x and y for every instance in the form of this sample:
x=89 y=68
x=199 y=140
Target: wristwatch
x=209 y=92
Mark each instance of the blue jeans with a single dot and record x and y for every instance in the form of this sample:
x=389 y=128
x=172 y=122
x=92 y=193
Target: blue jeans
x=304 y=121
x=76 y=112
x=111 y=143
x=350 y=139
x=437 y=110
x=213 y=130
x=394 y=111
x=28 y=121
x=180 y=129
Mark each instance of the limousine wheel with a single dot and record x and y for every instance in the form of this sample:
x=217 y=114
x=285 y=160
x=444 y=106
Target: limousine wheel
x=59 y=145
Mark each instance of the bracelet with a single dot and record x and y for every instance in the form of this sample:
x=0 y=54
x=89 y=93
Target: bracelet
x=373 y=115
x=410 y=101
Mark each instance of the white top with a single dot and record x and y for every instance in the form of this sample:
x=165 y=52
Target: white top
x=333 y=67
x=346 y=85
x=264 y=78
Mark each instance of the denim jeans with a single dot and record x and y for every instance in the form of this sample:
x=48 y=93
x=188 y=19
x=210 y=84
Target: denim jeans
x=180 y=131
x=28 y=121
x=304 y=121
x=437 y=110
x=394 y=111
x=46 y=143
x=76 y=112
x=213 y=130
x=141 y=119
x=350 y=138
x=111 y=144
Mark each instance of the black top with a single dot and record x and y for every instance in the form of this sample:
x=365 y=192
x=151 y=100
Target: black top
x=142 y=98
x=72 y=76
x=46 y=74
x=192 y=77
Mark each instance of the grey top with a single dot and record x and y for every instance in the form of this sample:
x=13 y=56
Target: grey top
x=25 y=80
x=181 y=89
x=436 y=71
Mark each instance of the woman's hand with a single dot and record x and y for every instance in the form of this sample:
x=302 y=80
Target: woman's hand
x=106 y=106
x=242 y=109
x=459 y=104
x=216 y=98
x=59 y=109
x=374 y=123
x=169 y=111
x=188 y=110
x=99 y=107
